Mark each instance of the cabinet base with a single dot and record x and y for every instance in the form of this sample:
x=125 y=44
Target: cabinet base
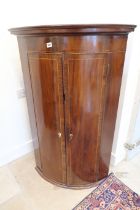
x=67 y=186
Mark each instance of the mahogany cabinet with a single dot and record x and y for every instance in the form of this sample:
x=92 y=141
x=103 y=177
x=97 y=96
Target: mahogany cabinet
x=72 y=78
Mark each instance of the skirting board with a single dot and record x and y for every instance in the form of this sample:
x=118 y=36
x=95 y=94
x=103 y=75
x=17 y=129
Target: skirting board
x=16 y=153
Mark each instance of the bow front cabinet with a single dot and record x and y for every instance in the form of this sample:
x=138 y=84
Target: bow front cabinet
x=72 y=77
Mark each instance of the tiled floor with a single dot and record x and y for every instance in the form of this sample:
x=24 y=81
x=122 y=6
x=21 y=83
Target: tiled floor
x=21 y=188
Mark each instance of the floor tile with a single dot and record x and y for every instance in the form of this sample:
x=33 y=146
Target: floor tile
x=16 y=203
x=42 y=194
x=27 y=190
x=8 y=184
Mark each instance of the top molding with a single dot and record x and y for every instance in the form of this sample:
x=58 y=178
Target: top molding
x=73 y=29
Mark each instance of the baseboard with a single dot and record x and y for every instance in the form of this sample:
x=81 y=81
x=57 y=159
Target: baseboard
x=16 y=153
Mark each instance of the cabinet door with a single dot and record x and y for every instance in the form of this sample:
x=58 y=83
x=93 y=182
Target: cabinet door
x=85 y=86
x=46 y=80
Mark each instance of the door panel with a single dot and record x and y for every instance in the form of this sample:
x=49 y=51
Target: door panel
x=46 y=79
x=113 y=93
x=85 y=77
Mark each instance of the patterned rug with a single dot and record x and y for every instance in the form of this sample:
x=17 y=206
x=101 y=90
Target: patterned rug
x=111 y=194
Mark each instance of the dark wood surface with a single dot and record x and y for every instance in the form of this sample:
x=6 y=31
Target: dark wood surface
x=23 y=48
x=46 y=80
x=110 y=111
x=85 y=77
x=73 y=91
x=73 y=29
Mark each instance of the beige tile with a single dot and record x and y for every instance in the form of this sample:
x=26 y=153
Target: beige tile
x=16 y=203
x=8 y=184
x=27 y=176
x=38 y=194
x=66 y=199
x=50 y=199
x=42 y=194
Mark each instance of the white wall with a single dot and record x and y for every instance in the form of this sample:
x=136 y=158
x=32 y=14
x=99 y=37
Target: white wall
x=133 y=137
x=15 y=137
x=136 y=134
x=127 y=97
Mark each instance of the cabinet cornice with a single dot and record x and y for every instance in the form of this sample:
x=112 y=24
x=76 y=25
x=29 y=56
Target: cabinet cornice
x=74 y=29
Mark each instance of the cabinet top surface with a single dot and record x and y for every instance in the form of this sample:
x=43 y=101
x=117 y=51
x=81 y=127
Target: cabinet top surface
x=74 y=29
